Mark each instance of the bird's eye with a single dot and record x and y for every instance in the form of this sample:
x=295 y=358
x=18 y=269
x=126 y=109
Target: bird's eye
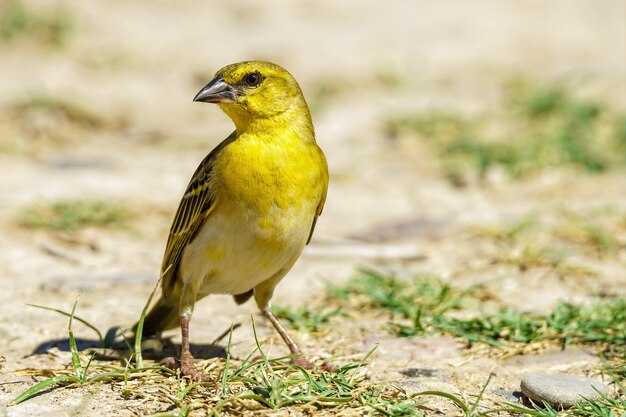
x=253 y=80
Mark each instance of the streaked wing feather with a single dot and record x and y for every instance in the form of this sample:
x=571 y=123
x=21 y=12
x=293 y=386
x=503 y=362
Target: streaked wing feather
x=195 y=206
x=320 y=206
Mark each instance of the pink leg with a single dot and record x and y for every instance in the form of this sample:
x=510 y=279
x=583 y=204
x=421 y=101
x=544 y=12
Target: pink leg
x=293 y=348
x=186 y=363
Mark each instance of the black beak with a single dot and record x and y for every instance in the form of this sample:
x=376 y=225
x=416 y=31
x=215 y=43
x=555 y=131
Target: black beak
x=217 y=91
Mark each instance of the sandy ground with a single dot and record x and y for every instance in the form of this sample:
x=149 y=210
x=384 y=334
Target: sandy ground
x=137 y=65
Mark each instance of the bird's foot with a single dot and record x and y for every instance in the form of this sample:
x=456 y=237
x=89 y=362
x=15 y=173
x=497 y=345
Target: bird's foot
x=186 y=367
x=328 y=366
x=171 y=362
x=302 y=362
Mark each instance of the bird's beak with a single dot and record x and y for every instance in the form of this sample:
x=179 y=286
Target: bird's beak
x=217 y=91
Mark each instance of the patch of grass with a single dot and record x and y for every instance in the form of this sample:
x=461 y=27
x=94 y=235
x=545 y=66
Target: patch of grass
x=70 y=215
x=305 y=318
x=275 y=385
x=418 y=300
x=59 y=108
x=422 y=306
x=538 y=127
x=553 y=240
x=53 y=27
x=605 y=406
x=82 y=374
x=585 y=231
x=603 y=322
x=532 y=255
x=250 y=384
x=259 y=383
x=508 y=233
x=34 y=123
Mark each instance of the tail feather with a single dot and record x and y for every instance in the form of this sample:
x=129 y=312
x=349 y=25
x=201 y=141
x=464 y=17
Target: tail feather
x=164 y=315
x=243 y=297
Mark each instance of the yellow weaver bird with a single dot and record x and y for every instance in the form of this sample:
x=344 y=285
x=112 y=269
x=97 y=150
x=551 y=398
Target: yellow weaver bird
x=250 y=207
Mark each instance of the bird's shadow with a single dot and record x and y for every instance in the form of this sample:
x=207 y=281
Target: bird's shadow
x=121 y=349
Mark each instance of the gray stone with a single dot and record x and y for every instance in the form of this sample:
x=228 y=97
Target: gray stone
x=560 y=391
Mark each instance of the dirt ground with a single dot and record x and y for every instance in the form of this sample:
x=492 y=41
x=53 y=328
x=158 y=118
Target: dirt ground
x=133 y=68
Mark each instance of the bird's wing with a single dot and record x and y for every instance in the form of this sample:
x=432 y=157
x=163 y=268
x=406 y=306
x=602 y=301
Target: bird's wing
x=320 y=206
x=195 y=206
x=318 y=212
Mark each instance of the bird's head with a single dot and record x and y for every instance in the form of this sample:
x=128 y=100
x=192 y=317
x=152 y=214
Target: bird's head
x=254 y=90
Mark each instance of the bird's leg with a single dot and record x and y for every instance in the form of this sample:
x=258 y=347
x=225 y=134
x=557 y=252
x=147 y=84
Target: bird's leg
x=263 y=295
x=293 y=348
x=186 y=362
x=187 y=366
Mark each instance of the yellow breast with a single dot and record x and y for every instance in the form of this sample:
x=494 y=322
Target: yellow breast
x=267 y=195
x=274 y=182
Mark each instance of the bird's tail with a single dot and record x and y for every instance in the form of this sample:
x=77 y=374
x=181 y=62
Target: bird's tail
x=164 y=315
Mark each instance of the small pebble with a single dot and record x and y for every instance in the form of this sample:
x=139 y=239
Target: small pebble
x=511 y=396
x=560 y=391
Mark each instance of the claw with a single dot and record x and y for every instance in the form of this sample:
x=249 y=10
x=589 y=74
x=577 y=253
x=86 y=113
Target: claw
x=328 y=366
x=303 y=362
x=188 y=368
x=170 y=362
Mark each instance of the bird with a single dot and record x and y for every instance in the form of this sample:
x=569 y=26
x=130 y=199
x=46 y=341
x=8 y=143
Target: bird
x=250 y=207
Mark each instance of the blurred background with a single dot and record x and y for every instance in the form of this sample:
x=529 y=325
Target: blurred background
x=477 y=140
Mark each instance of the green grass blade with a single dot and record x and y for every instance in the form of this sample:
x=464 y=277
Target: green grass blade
x=40 y=387
x=227 y=364
x=480 y=396
x=362 y=362
x=78 y=367
x=459 y=402
x=139 y=331
x=181 y=394
x=85 y=322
